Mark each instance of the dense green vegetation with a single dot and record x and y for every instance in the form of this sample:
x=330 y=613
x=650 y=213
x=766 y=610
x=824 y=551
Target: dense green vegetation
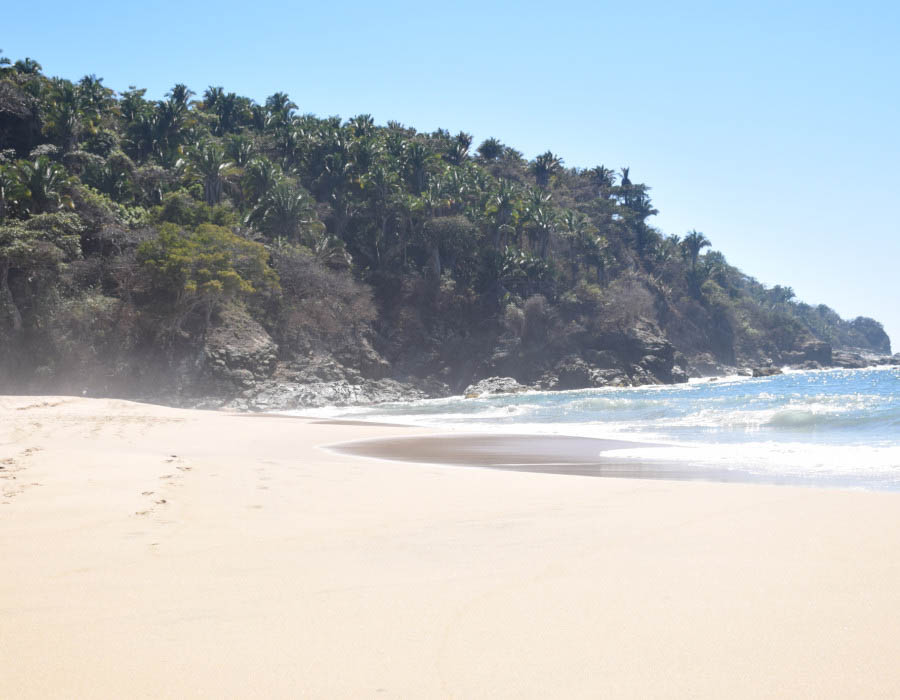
x=127 y=225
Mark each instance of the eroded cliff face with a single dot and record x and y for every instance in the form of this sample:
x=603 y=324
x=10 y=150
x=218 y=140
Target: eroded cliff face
x=239 y=365
x=637 y=355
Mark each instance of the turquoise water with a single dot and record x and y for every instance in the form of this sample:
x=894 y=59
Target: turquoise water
x=831 y=427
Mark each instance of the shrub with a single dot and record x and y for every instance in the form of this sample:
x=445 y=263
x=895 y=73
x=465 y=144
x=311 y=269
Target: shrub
x=196 y=271
x=317 y=305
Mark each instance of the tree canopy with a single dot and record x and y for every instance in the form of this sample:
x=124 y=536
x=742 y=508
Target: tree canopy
x=175 y=208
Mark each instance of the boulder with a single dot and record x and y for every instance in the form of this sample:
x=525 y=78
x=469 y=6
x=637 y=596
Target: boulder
x=766 y=371
x=494 y=385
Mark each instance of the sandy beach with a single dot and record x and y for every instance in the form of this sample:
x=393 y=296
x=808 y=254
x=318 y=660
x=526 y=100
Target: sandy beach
x=156 y=552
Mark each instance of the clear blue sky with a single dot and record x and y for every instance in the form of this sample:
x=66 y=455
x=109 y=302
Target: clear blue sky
x=774 y=128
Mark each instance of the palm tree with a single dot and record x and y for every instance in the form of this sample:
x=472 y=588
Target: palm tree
x=239 y=148
x=211 y=96
x=416 y=159
x=603 y=179
x=502 y=210
x=67 y=114
x=542 y=221
x=280 y=109
x=167 y=124
x=287 y=212
x=117 y=177
x=29 y=66
x=692 y=244
x=595 y=251
x=260 y=176
x=587 y=245
x=179 y=96
x=259 y=119
x=458 y=148
x=207 y=163
x=362 y=126
x=545 y=166
x=42 y=183
x=9 y=187
x=490 y=149
x=96 y=96
x=382 y=186
x=132 y=104
x=228 y=109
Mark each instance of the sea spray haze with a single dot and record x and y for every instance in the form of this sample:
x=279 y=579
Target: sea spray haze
x=828 y=428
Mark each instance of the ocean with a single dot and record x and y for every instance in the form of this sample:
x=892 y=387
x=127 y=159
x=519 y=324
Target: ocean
x=822 y=428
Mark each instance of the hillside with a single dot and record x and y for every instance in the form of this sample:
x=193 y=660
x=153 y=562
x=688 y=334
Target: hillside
x=206 y=248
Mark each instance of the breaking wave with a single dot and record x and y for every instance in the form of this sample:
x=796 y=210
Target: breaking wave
x=838 y=427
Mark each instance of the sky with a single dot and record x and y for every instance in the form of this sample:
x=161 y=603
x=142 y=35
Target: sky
x=771 y=127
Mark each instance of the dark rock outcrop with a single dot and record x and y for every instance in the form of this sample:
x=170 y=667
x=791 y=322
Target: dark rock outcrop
x=848 y=360
x=371 y=364
x=651 y=357
x=631 y=356
x=604 y=359
x=817 y=351
x=237 y=353
x=574 y=373
x=275 y=395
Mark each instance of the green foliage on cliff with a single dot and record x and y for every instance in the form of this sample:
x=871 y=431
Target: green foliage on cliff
x=162 y=212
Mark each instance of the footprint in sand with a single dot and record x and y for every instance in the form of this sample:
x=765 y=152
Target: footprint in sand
x=179 y=462
x=9 y=466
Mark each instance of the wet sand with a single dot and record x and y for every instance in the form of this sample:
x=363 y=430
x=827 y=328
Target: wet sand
x=545 y=454
x=156 y=552
x=560 y=454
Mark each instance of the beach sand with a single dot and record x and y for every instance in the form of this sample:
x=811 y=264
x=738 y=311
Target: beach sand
x=156 y=552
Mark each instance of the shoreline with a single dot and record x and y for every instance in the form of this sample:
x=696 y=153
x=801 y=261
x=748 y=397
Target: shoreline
x=565 y=455
x=175 y=553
